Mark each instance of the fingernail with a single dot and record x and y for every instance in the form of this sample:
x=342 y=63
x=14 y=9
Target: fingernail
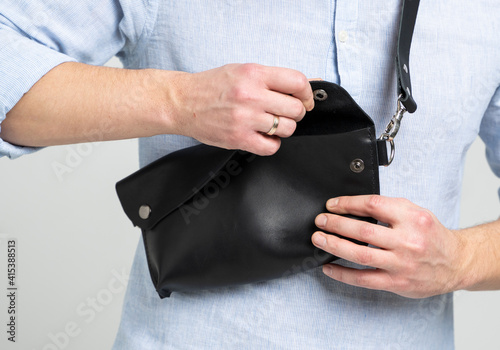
x=321 y=220
x=319 y=240
x=332 y=203
x=327 y=270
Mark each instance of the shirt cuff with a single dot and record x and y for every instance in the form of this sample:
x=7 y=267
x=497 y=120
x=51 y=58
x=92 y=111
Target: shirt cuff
x=22 y=63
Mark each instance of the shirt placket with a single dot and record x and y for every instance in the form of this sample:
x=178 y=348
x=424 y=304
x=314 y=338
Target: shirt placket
x=348 y=52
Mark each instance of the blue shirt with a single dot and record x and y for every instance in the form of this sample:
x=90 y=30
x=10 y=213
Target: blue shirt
x=455 y=73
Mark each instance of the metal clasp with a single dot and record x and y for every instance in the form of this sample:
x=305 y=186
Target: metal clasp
x=392 y=129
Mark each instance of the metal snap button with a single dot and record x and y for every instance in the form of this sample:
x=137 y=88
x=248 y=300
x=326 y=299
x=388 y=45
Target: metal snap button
x=357 y=166
x=144 y=212
x=320 y=95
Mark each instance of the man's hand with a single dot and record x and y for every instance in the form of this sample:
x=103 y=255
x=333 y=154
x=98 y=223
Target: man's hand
x=417 y=256
x=234 y=106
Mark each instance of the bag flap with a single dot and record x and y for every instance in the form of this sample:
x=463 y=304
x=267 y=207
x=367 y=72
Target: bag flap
x=334 y=112
x=166 y=184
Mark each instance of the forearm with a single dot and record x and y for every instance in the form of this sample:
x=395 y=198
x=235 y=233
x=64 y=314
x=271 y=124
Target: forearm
x=75 y=102
x=480 y=247
x=231 y=106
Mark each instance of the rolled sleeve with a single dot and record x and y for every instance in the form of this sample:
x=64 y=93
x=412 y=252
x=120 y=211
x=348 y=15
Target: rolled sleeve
x=36 y=36
x=490 y=133
x=23 y=63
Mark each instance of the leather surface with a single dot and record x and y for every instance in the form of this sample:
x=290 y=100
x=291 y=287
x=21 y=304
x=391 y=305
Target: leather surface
x=221 y=217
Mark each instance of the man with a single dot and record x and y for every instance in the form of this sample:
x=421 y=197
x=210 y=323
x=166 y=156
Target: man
x=189 y=93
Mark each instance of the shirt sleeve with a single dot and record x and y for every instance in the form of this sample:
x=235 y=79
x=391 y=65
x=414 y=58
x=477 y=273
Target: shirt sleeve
x=490 y=133
x=37 y=35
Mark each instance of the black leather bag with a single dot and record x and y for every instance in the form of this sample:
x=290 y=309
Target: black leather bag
x=212 y=217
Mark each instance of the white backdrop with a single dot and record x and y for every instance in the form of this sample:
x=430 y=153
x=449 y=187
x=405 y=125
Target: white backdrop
x=75 y=247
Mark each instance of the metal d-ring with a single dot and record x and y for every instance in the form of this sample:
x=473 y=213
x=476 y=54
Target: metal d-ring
x=393 y=152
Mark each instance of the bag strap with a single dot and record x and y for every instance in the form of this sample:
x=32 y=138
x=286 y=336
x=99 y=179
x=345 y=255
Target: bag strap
x=406 y=26
x=406 y=103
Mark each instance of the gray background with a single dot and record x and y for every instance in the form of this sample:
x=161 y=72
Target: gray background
x=74 y=240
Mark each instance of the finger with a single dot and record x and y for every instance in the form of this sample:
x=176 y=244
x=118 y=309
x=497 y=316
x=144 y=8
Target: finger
x=385 y=209
x=283 y=105
x=291 y=82
x=359 y=254
x=363 y=231
x=263 y=145
x=285 y=128
x=370 y=279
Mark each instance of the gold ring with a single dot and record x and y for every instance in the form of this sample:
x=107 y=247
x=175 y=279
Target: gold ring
x=273 y=129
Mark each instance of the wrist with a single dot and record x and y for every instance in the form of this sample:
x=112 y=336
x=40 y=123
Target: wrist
x=479 y=263
x=167 y=108
x=467 y=275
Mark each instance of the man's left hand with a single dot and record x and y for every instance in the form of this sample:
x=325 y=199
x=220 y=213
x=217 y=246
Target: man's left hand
x=414 y=256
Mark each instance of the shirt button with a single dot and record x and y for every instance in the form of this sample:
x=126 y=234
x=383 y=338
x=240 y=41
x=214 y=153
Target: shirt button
x=343 y=36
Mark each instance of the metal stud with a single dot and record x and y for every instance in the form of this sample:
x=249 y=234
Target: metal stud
x=144 y=212
x=405 y=67
x=357 y=166
x=320 y=95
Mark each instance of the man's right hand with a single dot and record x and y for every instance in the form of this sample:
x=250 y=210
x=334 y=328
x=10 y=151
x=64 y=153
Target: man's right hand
x=234 y=106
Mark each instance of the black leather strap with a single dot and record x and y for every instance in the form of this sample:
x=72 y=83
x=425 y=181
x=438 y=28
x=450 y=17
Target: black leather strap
x=383 y=157
x=406 y=26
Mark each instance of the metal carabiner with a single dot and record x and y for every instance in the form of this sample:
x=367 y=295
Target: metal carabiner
x=392 y=129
